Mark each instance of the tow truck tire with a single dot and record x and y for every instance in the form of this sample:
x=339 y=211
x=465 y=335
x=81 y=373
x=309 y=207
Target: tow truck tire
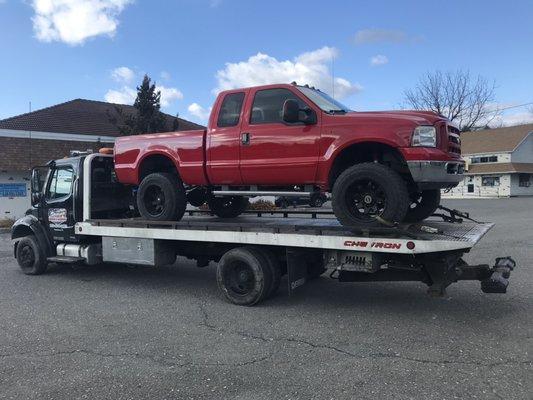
x=424 y=206
x=244 y=276
x=366 y=190
x=30 y=256
x=161 y=197
x=228 y=206
x=275 y=269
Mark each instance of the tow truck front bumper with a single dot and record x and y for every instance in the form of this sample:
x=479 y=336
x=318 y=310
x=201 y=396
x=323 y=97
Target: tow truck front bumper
x=429 y=174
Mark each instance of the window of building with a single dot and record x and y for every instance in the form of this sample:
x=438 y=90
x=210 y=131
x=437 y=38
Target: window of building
x=524 y=180
x=490 y=181
x=268 y=105
x=61 y=183
x=230 y=111
x=485 y=159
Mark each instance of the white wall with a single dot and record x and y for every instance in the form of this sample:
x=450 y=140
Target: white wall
x=14 y=207
x=461 y=190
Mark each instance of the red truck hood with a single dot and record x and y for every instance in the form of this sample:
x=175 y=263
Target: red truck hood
x=418 y=117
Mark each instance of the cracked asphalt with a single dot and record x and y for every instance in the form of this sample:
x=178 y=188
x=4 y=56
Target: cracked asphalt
x=112 y=332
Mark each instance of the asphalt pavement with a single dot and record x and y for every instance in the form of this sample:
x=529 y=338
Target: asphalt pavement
x=113 y=332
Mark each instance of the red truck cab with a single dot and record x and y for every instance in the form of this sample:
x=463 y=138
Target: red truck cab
x=287 y=139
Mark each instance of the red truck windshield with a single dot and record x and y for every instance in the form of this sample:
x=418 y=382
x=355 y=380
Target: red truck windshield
x=322 y=100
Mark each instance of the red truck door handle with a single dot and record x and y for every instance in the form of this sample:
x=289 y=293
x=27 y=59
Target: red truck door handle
x=245 y=138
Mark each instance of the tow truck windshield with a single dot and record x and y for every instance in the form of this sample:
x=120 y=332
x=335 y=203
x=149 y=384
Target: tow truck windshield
x=324 y=101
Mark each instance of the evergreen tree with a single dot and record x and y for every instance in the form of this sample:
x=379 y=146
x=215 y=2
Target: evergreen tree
x=147 y=117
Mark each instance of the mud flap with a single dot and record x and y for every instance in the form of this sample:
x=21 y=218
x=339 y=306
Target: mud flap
x=296 y=270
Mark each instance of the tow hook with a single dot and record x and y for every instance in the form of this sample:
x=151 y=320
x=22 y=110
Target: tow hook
x=498 y=281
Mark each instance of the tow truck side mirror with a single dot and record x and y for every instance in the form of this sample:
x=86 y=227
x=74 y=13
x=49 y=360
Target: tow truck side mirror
x=35 y=186
x=292 y=113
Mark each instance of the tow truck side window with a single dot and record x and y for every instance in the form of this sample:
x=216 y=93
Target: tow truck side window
x=61 y=183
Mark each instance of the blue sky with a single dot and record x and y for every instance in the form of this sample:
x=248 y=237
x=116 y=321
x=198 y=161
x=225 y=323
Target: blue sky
x=57 y=50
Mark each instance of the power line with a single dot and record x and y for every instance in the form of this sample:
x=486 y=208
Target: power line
x=519 y=105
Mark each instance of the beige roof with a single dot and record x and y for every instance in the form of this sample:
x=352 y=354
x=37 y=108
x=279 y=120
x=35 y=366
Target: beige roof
x=500 y=168
x=494 y=140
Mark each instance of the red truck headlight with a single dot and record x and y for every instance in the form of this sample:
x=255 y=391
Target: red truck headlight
x=424 y=136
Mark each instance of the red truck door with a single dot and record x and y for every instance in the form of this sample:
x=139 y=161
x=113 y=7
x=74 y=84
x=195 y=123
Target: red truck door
x=272 y=151
x=224 y=138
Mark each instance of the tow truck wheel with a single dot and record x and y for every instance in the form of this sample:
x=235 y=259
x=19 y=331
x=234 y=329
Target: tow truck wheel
x=367 y=191
x=423 y=206
x=228 y=206
x=30 y=257
x=161 y=197
x=244 y=276
x=275 y=269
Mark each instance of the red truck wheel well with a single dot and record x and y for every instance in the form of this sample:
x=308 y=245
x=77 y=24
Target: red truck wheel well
x=366 y=152
x=156 y=163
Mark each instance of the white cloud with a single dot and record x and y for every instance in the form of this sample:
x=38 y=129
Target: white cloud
x=74 y=21
x=379 y=60
x=199 y=112
x=127 y=95
x=369 y=36
x=165 y=75
x=169 y=95
x=308 y=68
x=123 y=74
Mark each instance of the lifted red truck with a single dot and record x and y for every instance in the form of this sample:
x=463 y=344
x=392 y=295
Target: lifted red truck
x=291 y=140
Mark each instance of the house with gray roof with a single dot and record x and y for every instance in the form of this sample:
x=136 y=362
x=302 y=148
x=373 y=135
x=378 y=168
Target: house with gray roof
x=499 y=163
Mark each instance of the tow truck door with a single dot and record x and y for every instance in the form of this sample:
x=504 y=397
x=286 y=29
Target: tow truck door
x=57 y=202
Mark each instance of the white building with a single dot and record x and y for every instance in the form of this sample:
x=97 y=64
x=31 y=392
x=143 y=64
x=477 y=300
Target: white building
x=499 y=163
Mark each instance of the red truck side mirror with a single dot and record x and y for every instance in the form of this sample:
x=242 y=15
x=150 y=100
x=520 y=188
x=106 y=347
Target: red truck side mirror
x=292 y=113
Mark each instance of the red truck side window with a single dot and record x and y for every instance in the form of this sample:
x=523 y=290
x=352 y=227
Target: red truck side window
x=268 y=105
x=230 y=110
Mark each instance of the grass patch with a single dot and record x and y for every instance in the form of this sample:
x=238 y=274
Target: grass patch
x=6 y=222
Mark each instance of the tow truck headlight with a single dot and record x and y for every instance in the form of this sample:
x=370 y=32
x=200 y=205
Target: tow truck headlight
x=424 y=136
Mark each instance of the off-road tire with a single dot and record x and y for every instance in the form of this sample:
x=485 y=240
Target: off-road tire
x=30 y=257
x=244 y=276
x=390 y=184
x=425 y=205
x=228 y=206
x=172 y=201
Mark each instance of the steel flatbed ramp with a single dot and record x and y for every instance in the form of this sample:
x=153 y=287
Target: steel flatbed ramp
x=323 y=233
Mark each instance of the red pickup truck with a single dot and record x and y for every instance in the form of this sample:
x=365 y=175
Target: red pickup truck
x=286 y=139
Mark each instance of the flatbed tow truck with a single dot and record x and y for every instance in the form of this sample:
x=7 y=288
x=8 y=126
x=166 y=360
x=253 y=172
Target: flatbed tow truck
x=81 y=214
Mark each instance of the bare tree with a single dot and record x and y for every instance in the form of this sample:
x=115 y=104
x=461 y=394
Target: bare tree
x=457 y=96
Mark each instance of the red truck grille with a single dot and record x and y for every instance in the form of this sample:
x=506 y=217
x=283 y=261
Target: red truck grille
x=454 y=140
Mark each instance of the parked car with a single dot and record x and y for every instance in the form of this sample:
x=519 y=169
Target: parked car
x=270 y=140
x=315 y=200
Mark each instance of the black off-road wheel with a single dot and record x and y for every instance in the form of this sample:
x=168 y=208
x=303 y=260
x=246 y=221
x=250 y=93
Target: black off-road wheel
x=30 y=257
x=228 y=206
x=161 y=197
x=367 y=191
x=423 y=205
x=244 y=276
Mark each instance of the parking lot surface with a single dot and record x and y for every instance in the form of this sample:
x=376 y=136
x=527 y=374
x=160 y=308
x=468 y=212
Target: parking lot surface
x=113 y=332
